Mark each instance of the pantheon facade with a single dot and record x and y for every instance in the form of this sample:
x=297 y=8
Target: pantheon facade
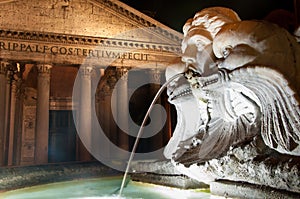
x=46 y=46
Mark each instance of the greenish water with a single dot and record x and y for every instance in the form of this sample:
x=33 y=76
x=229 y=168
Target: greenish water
x=102 y=188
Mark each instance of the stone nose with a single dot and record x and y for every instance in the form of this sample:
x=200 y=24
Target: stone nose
x=189 y=55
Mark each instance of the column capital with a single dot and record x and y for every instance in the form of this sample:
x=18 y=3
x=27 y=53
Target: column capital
x=86 y=70
x=44 y=68
x=122 y=73
x=155 y=75
x=4 y=67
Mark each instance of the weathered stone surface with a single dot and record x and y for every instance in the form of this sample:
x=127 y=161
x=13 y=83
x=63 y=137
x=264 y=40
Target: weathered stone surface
x=18 y=177
x=178 y=181
x=245 y=190
x=97 y=18
x=163 y=173
x=158 y=167
x=245 y=164
x=237 y=104
x=69 y=32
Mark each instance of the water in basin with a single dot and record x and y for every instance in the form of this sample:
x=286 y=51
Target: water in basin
x=102 y=188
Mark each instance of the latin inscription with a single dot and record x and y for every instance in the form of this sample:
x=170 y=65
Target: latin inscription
x=70 y=51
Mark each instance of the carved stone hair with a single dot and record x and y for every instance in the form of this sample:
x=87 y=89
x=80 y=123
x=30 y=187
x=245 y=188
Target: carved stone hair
x=207 y=21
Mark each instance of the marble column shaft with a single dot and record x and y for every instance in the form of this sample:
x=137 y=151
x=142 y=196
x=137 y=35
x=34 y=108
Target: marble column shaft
x=3 y=69
x=107 y=124
x=42 y=114
x=12 y=122
x=19 y=115
x=7 y=114
x=85 y=111
x=123 y=109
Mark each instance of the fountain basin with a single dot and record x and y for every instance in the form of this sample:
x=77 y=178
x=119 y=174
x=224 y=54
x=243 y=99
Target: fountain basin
x=12 y=178
x=106 y=187
x=81 y=180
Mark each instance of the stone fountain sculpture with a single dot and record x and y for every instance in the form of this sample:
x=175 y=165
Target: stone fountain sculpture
x=238 y=102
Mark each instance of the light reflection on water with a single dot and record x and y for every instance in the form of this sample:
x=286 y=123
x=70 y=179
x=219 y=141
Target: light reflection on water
x=101 y=188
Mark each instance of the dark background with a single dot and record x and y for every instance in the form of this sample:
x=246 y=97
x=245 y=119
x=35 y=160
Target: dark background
x=174 y=13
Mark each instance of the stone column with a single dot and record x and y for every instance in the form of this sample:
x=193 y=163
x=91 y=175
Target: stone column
x=7 y=112
x=104 y=110
x=111 y=75
x=155 y=77
x=42 y=114
x=18 y=113
x=13 y=99
x=85 y=112
x=3 y=69
x=122 y=106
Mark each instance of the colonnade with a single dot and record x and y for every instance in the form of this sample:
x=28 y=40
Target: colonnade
x=11 y=110
x=13 y=121
x=9 y=94
x=115 y=125
x=104 y=102
x=124 y=79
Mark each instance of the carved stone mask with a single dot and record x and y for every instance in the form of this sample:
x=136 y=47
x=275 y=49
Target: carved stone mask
x=242 y=84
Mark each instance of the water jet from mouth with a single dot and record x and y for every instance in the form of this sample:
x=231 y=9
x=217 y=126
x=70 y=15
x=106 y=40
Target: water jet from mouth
x=141 y=129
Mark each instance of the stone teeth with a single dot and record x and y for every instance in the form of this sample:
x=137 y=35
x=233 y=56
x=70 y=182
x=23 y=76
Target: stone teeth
x=182 y=93
x=211 y=81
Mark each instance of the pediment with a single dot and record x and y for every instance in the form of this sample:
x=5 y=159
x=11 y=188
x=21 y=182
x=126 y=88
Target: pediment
x=93 y=18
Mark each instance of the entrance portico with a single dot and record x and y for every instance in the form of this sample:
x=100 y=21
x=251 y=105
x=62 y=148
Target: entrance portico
x=44 y=45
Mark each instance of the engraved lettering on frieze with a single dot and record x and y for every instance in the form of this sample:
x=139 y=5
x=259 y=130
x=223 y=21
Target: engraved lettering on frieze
x=70 y=51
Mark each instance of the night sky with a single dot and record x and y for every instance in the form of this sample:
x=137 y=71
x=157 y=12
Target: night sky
x=174 y=13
